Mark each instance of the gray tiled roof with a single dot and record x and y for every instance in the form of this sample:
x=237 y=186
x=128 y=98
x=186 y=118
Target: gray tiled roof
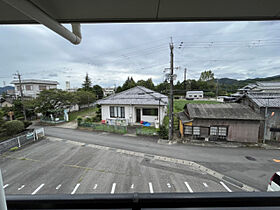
x=265 y=99
x=231 y=111
x=137 y=95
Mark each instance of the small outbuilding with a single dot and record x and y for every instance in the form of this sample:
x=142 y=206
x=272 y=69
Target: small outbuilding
x=231 y=122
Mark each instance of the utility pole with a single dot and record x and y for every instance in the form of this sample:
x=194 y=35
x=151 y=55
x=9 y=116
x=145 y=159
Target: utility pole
x=185 y=79
x=171 y=120
x=217 y=88
x=21 y=94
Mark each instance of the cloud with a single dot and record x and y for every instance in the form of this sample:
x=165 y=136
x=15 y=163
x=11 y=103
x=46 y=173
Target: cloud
x=110 y=53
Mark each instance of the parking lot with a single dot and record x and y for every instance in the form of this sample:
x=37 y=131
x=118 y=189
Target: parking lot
x=56 y=166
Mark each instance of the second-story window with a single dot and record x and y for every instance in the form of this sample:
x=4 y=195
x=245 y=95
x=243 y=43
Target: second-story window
x=42 y=87
x=28 y=87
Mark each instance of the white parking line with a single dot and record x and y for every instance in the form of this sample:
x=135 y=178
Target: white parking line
x=42 y=185
x=58 y=186
x=189 y=187
x=95 y=186
x=226 y=187
x=75 y=189
x=151 y=187
x=132 y=186
x=168 y=185
x=22 y=186
x=113 y=188
x=6 y=185
x=205 y=185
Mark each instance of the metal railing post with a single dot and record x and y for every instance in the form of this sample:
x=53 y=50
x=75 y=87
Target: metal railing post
x=3 y=205
x=18 y=142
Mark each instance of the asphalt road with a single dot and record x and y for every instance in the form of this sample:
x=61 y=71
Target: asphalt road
x=254 y=171
x=57 y=166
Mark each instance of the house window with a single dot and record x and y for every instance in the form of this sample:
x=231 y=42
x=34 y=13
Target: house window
x=200 y=96
x=18 y=88
x=42 y=87
x=213 y=131
x=150 y=112
x=117 y=112
x=196 y=131
x=195 y=96
x=188 y=130
x=28 y=87
x=190 y=95
x=222 y=131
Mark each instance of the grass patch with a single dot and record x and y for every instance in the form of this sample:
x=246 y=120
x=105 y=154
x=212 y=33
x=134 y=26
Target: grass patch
x=14 y=149
x=84 y=112
x=180 y=103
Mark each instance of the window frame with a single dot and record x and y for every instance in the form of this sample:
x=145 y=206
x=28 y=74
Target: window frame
x=150 y=114
x=117 y=111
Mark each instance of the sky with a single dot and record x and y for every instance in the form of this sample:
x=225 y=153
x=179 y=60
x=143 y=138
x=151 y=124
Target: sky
x=110 y=53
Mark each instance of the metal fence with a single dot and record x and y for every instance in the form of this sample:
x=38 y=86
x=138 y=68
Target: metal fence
x=21 y=140
x=104 y=127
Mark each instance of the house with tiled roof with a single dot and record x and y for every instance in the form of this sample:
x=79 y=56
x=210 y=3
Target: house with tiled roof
x=135 y=105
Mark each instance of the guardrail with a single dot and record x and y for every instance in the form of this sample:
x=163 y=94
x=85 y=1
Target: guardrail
x=244 y=200
x=21 y=140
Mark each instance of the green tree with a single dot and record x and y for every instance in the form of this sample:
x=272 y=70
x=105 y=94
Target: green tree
x=206 y=75
x=98 y=91
x=54 y=102
x=147 y=84
x=85 y=97
x=13 y=127
x=129 y=83
x=87 y=84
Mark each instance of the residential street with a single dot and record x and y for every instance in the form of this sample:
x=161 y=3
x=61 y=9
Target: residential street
x=251 y=166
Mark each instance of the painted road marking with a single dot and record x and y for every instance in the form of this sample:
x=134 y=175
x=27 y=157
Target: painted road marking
x=75 y=189
x=58 y=186
x=6 y=185
x=151 y=187
x=22 y=186
x=132 y=186
x=205 y=185
x=113 y=188
x=168 y=185
x=95 y=186
x=226 y=187
x=42 y=185
x=189 y=187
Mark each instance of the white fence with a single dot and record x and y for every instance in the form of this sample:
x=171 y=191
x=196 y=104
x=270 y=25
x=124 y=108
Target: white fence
x=19 y=141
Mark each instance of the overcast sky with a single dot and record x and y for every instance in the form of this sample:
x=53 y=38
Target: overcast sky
x=110 y=53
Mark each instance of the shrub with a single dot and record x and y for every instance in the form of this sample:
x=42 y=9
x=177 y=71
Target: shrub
x=27 y=123
x=95 y=119
x=79 y=120
x=13 y=127
x=87 y=120
x=163 y=132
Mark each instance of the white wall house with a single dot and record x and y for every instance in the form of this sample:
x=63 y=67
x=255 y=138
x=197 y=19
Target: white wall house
x=134 y=105
x=32 y=87
x=194 y=95
x=108 y=91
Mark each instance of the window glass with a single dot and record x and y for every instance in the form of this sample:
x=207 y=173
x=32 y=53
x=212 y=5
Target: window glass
x=117 y=112
x=150 y=112
x=222 y=131
x=188 y=130
x=213 y=131
x=196 y=131
x=42 y=87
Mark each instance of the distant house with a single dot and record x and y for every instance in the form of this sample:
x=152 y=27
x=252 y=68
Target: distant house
x=108 y=91
x=268 y=106
x=5 y=103
x=133 y=106
x=194 y=95
x=32 y=87
x=261 y=87
x=231 y=122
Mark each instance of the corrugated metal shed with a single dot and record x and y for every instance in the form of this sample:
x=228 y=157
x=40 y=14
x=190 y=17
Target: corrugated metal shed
x=229 y=111
x=137 y=95
x=265 y=99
